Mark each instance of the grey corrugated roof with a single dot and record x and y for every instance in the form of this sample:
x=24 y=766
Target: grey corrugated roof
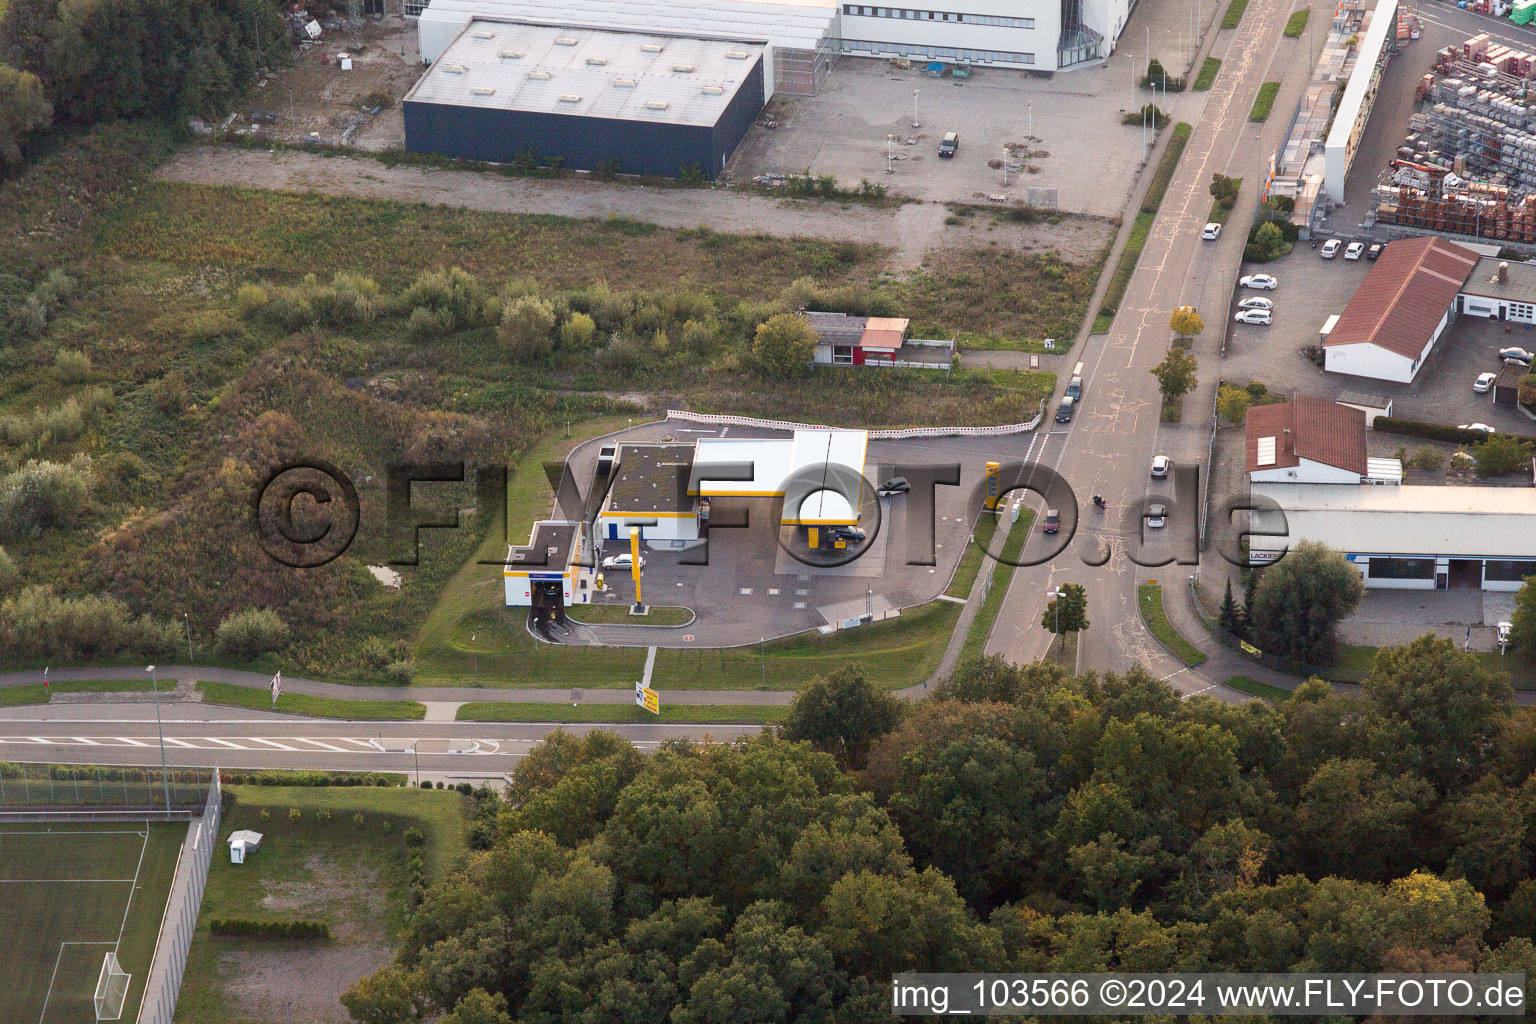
x=628 y=76
x=787 y=23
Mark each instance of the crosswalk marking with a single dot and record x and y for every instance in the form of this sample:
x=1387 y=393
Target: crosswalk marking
x=322 y=744
x=271 y=743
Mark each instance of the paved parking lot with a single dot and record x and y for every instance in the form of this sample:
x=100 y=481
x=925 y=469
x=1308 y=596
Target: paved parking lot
x=1310 y=290
x=751 y=587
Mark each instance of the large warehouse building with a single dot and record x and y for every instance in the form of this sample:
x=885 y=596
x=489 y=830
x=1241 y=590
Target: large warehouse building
x=630 y=102
x=803 y=37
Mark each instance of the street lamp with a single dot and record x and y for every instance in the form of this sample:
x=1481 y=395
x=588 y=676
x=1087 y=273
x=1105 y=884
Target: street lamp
x=1031 y=121
x=165 y=784
x=188 y=620
x=915 y=123
x=474 y=652
x=889 y=139
x=1056 y=596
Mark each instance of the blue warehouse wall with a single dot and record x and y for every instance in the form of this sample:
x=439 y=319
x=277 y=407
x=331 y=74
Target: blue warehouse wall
x=473 y=133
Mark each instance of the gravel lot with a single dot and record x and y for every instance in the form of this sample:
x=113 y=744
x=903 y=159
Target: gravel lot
x=911 y=230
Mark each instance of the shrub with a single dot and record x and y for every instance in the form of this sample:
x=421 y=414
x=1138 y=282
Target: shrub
x=455 y=295
x=424 y=325
x=72 y=365
x=386 y=826
x=264 y=815
x=250 y=298
x=323 y=815
x=400 y=673
x=783 y=346
x=527 y=324
x=43 y=496
x=170 y=393
x=251 y=632
x=8 y=573
x=248 y=929
x=1425 y=458
x=1502 y=453
x=425 y=784
x=578 y=331
x=413 y=837
x=358 y=820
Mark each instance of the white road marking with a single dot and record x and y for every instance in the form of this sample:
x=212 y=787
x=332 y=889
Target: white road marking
x=225 y=743
x=271 y=743
x=319 y=743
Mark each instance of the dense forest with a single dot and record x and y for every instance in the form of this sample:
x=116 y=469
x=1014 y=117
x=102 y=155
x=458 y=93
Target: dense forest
x=1023 y=819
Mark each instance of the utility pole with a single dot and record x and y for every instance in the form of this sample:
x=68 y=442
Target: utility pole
x=762 y=655
x=165 y=784
x=474 y=652
x=188 y=620
x=915 y=123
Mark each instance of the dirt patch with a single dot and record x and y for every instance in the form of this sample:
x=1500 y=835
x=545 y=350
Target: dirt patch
x=266 y=984
x=345 y=899
x=913 y=230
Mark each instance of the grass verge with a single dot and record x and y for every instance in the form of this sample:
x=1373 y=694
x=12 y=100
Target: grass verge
x=1207 y=76
x=324 y=867
x=502 y=711
x=1150 y=597
x=1137 y=239
x=970 y=562
x=36 y=693
x=1234 y=13
x=1264 y=101
x=659 y=615
x=1297 y=24
x=997 y=589
x=1254 y=688
x=258 y=699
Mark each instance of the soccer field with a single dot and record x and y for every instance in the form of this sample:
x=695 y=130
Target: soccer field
x=70 y=894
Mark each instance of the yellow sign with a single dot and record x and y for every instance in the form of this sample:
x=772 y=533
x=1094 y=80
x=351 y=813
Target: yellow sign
x=1245 y=645
x=647 y=698
x=993 y=471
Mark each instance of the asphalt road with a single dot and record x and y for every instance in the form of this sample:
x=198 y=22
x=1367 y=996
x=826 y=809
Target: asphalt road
x=1108 y=448
x=209 y=736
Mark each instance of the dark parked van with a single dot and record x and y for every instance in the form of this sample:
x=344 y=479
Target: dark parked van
x=949 y=144
x=1064 y=410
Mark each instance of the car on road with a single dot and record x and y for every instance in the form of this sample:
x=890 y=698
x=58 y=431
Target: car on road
x=1519 y=355
x=949 y=144
x=1374 y=251
x=1481 y=428
x=1212 y=232
x=1160 y=464
x=1262 y=317
x=895 y=485
x=1258 y=281
x=1484 y=382
x=1256 y=302
x=1065 y=409
x=623 y=561
x=1075 y=388
x=1330 y=248
x=1353 y=250
x=1052 y=521
x=1157 y=517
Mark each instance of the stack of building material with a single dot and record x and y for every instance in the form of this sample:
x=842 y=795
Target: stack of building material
x=1523 y=12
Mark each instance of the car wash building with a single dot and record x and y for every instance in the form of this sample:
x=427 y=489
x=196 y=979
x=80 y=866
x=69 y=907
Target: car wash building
x=549 y=572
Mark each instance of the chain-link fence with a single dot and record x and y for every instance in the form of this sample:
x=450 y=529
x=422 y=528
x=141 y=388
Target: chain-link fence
x=65 y=790
x=170 y=959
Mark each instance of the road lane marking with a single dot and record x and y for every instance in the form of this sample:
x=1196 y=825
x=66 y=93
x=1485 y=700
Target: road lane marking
x=318 y=743
x=226 y=743
x=271 y=743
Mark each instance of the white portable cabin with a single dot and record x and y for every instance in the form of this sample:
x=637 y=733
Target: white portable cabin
x=240 y=842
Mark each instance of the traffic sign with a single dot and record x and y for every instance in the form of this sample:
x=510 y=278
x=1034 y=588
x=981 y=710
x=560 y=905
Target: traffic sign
x=647 y=698
x=1245 y=645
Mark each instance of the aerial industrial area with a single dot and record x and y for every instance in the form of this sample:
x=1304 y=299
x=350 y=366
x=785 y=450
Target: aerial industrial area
x=707 y=511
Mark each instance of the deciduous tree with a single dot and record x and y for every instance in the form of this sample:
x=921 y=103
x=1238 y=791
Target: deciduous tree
x=1301 y=600
x=842 y=714
x=1186 y=322
x=1176 y=374
x=23 y=109
x=783 y=346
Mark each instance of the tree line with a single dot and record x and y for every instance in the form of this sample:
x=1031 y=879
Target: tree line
x=1024 y=819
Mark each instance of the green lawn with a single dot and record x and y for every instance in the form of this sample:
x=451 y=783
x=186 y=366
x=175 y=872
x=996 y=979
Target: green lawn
x=36 y=693
x=259 y=699
x=1234 y=13
x=1264 y=101
x=1137 y=239
x=1254 y=688
x=981 y=626
x=352 y=877
x=536 y=712
x=60 y=904
x=970 y=562
x=659 y=615
x=1297 y=24
x=1150 y=597
x=1207 y=76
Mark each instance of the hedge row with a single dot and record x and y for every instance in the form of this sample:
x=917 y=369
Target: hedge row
x=247 y=928
x=1431 y=431
x=306 y=778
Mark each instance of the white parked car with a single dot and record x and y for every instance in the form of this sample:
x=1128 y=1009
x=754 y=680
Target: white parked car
x=623 y=561
x=1160 y=466
x=1258 y=281
x=1480 y=427
x=1330 y=248
x=1256 y=302
x=1484 y=382
x=1505 y=628
x=1212 y=232
x=1262 y=317
x=1353 y=250
x=1157 y=517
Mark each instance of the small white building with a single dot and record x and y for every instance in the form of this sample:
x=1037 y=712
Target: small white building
x=1313 y=441
x=1398 y=313
x=652 y=491
x=1411 y=537
x=1500 y=290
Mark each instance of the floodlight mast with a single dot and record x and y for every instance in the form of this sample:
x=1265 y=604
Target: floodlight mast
x=165 y=784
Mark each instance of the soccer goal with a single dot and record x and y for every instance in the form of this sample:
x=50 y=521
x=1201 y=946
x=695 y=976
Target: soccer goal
x=111 y=989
